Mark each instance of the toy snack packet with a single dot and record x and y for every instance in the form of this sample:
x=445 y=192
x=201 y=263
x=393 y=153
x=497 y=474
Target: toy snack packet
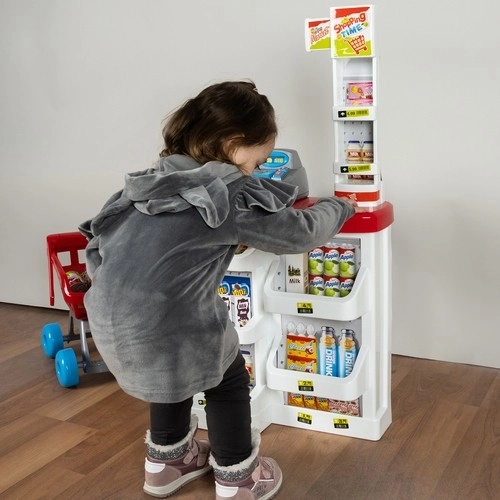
x=301 y=347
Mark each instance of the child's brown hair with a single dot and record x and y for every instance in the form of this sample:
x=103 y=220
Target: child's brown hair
x=219 y=119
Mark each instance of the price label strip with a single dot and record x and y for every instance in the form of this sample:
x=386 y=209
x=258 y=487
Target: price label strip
x=304 y=308
x=341 y=423
x=304 y=418
x=353 y=113
x=305 y=386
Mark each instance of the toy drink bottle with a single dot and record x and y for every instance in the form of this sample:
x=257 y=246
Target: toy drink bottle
x=327 y=352
x=348 y=352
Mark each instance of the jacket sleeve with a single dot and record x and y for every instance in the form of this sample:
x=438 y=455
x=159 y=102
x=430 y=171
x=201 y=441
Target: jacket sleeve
x=271 y=226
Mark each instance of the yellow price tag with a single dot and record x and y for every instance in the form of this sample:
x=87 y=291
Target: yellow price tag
x=304 y=418
x=359 y=168
x=353 y=113
x=304 y=308
x=341 y=423
x=305 y=386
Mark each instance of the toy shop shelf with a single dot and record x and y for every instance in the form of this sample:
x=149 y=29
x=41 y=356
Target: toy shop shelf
x=323 y=421
x=345 y=389
x=256 y=329
x=346 y=308
x=354 y=113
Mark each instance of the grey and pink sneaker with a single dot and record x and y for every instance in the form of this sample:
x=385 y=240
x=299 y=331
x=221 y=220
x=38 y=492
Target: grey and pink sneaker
x=255 y=478
x=168 y=468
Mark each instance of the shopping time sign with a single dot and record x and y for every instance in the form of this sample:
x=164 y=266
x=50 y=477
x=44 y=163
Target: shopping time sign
x=348 y=32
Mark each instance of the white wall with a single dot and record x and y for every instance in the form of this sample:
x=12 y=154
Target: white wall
x=85 y=86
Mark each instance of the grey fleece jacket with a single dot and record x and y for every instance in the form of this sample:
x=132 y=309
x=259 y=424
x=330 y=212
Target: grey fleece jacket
x=157 y=253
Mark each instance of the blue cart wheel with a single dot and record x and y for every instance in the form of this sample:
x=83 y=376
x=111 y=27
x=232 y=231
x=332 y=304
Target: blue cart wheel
x=67 y=368
x=52 y=339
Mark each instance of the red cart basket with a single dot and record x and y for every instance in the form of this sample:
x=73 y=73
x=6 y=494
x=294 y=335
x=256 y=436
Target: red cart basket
x=63 y=253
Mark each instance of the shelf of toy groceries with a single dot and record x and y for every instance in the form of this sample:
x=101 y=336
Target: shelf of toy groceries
x=345 y=389
x=345 y=308
x=350 y=307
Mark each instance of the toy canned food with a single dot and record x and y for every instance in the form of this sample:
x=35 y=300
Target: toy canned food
x=346 y=285
x=331 y=259
x=332 y=286
x=315 y=262
x=360 y=91
x=316 y=285
x=347 y=261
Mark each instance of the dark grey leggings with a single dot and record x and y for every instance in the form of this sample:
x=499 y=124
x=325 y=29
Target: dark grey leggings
x=228 y=417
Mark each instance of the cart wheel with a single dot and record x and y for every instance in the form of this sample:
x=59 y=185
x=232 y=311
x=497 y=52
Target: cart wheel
x=67 y=367
x=52 y=339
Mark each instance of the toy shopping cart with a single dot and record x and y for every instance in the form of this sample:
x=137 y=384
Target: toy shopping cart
x=64 y=259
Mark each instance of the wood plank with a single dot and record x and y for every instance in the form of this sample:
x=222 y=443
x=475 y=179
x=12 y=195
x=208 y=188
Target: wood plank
x=39 y=451
x=21 y=327
x=92 y=390
x=473 y=469
x=47 y=482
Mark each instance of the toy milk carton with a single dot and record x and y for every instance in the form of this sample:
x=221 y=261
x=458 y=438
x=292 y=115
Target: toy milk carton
x=297 y=277
x=235 y=290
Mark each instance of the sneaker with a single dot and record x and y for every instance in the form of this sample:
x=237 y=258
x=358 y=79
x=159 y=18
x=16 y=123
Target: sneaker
x=262 y=484
x=165 y=477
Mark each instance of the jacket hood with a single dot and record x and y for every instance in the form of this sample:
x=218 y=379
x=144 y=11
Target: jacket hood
x=174 y=184
x=178 y=182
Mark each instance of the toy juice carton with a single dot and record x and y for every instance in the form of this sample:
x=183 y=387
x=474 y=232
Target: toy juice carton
x=297 y=278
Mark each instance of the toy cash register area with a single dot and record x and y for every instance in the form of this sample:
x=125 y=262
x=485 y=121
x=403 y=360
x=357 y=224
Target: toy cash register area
x=285 y=165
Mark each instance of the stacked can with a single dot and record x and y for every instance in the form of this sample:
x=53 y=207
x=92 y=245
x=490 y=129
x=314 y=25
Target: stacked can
x=332 y=269
x=315 y=266
x=331 y=253
x=347 y=268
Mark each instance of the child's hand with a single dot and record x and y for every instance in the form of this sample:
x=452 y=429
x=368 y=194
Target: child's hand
x=349 y=200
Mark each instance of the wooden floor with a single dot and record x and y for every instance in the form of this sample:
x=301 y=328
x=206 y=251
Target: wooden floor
x=87 y=442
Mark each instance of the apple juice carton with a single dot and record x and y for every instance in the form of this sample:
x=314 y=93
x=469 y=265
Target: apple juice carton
x=296 y=273
x=347 y=261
